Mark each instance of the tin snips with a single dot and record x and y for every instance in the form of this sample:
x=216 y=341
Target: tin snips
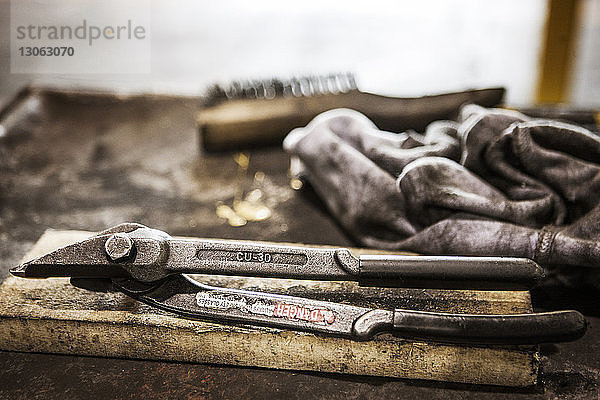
x=150 y=266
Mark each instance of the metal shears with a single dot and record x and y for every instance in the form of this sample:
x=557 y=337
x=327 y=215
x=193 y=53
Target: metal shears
x=150 y=266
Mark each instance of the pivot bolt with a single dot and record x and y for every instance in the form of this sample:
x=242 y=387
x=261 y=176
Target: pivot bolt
x=118 y=247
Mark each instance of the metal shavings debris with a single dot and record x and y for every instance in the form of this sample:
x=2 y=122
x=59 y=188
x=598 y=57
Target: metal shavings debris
x=296 y=183
x=242 y=160
x=233 y=219
x=252 y=211
x=248 y=208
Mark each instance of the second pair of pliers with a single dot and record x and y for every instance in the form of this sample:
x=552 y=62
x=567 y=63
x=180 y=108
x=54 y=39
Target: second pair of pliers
x=149 y=266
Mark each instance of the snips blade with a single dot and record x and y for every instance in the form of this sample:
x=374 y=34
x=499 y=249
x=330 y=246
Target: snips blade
x=84 y=259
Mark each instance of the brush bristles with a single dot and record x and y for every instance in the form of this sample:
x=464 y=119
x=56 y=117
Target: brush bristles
x=311 y=85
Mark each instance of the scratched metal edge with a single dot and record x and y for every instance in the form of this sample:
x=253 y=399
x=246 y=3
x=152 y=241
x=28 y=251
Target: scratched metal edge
x=163 y=337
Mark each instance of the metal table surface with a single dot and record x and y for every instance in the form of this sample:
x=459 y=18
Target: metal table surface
x=74 y=161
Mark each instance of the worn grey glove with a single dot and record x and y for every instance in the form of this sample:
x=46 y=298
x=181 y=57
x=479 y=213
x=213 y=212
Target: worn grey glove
x=493 y=183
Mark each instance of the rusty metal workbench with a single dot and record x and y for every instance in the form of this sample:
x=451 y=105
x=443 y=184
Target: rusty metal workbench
x=77 y=161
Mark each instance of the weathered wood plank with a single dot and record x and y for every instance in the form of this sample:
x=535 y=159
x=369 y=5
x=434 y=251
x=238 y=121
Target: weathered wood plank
x=52 y=316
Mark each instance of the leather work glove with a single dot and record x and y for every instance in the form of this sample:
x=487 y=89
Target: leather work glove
x=493 y=183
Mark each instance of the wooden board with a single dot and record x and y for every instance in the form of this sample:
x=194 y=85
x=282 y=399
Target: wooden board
x=50 y=315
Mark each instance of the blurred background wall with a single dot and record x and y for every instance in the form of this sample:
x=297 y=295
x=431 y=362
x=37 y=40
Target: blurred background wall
x=394 y=47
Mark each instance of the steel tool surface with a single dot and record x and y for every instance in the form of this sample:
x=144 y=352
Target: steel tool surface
x=148 y=265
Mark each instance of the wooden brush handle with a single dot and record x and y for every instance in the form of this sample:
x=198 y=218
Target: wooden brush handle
x=243 y=123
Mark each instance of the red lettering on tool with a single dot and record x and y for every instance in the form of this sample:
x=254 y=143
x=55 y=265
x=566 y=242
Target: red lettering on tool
x=292 y=311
